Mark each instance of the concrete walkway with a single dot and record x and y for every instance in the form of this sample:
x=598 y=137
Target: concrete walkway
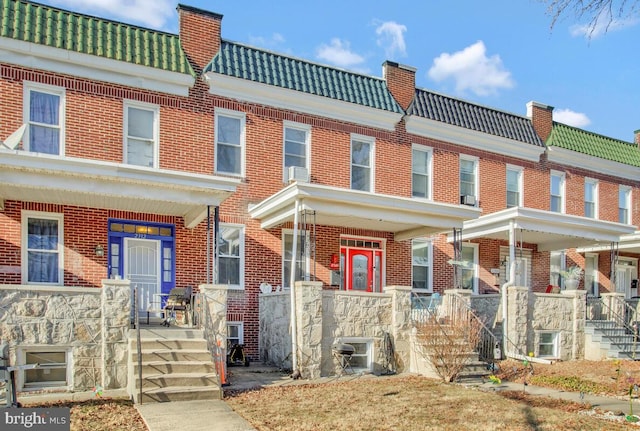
x=211 y=415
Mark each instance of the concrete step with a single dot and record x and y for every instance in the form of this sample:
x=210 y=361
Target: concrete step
x=177 y=393
x=164 y=332
x=192 y=380
x=169 y=344
x=168 y=367
x=185 y=355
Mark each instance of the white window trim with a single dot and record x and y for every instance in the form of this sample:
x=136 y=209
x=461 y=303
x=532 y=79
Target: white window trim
x=307 y=263
x=627 y=191
x=476 y=175
x=475 y=265
x=563 y=186
x=372 y=142
x=242 y=256
x=156 y=128
x=26 y=102
x=307 y=156
x=556 y=344
x=26 y=215
x=520 y=171
x=596 y=195
x=240 y=326
x=370 y=351
x=243 y=147
x=21 y=355
x=429 y=243
x=429 y=151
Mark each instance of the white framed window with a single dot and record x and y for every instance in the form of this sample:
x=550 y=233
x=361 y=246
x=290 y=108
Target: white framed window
x=421 y=258
x=362 y=358
x=296 y=147
x=54 y=367
x=590 y=198
x=421 y=171
x=235 y=334
x=141 y=134
x=514 y=186
x=302 y=261
x=469 y=273
x=591 y=274
x=557 y=264
x=42 y=248
x=548 y=344
x=44 y=113
x=469 y=180
x=557 y=186
x=231 y=256
x=624 y=204
x=362 y=162
x=230 y=142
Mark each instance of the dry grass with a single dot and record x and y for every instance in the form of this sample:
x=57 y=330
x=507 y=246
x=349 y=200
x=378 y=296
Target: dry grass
x=407 y=403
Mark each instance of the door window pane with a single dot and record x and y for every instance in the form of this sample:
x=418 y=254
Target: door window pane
x=359 y=272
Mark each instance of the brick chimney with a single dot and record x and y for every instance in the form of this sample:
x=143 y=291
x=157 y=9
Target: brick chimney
x=542 y=119
x=199 y=35
x=636 y=137
x=401 y=81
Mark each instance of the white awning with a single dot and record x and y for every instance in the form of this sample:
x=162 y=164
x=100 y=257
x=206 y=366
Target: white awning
x=628 y=243
x=549 y=230
x=406 y=217
x=43 y=178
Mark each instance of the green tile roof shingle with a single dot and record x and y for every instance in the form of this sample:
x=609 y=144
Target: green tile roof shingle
x=265 y=67
x=592 y=144
x=57 y=28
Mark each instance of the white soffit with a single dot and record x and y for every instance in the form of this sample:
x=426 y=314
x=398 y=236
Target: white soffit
x=269 y=95
x=472 y=139
x=595 y=164
x=92 y=67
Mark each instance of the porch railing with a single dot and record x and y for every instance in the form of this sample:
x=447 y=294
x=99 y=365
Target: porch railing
x=621 y=313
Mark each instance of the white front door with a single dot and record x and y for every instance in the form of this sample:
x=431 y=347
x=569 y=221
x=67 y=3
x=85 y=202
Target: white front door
x=142 y=268
x=624 y=275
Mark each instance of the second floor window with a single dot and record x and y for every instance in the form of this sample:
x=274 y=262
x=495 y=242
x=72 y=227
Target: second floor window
x=229 y=142
x=421 y=172
x=514 y=187
x=468 y=181
x=231 y=256
x=557 y=192
x=296 y=147
x=44 y=113
x=362 y=163
x=624 y=205
x=590 y=198
x=141 y=135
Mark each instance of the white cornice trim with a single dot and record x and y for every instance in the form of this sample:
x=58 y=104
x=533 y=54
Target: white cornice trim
x=242 y=89
x=472 y=139
x=92 y=67
x=578 y=160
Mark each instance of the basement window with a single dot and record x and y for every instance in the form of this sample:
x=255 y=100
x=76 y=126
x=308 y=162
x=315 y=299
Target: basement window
x=52 y=368
x=362 y=358
x=548 y=344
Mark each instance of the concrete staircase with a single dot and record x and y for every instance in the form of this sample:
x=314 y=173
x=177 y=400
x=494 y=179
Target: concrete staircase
x=604 y=339
x=176 y=366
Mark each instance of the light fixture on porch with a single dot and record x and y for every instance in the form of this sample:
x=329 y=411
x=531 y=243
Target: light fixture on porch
x=99 y=250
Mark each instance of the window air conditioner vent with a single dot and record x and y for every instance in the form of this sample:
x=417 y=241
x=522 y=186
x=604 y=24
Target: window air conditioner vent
x=296 y=173
x=468 y=200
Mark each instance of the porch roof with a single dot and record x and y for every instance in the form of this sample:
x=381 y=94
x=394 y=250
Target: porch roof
x=95 y=184
x=549 y=230
x=628 y=243
x=406 y=217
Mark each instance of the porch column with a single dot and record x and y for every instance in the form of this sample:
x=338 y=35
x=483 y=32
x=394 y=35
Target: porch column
x=309 y=327
x=116 y=311
x=579 y=318
x=401 y=324
x=518 y=320
x=214 y=317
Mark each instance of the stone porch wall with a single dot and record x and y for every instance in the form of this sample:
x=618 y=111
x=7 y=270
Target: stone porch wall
x=92 y=323
x=212 y=316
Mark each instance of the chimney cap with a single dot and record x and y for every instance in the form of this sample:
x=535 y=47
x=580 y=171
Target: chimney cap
x=198 y=11
x=399 y=66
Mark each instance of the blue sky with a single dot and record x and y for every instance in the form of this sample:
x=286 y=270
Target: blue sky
x=499 y=53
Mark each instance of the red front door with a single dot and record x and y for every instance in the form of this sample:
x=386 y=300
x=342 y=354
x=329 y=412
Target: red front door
x=363 y=270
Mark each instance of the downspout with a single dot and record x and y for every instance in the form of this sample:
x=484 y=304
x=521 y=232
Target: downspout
x=294 y=332
x=505 y=287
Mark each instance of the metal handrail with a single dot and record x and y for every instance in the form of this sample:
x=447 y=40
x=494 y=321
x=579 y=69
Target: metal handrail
x=431 y=314
x=488 y=340
x=600 y=313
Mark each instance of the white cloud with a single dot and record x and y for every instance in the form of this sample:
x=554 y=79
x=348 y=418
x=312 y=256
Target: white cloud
x=391 y=38
x=274 y=41
x=571 y=118
x=472 y=70
x=339 y=52
x=149 y=13
x=604 y=23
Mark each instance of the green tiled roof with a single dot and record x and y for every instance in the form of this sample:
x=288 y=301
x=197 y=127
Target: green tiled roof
x=45 y=25
x=592 y=144
x=265 y=67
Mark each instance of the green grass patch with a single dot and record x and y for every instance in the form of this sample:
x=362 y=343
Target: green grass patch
x=568 y=383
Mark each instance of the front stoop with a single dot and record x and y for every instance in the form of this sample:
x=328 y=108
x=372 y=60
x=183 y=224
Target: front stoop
x=176 y=366
x=607 y=340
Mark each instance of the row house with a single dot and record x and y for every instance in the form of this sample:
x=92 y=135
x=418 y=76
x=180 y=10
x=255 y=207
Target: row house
x=182 y=160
